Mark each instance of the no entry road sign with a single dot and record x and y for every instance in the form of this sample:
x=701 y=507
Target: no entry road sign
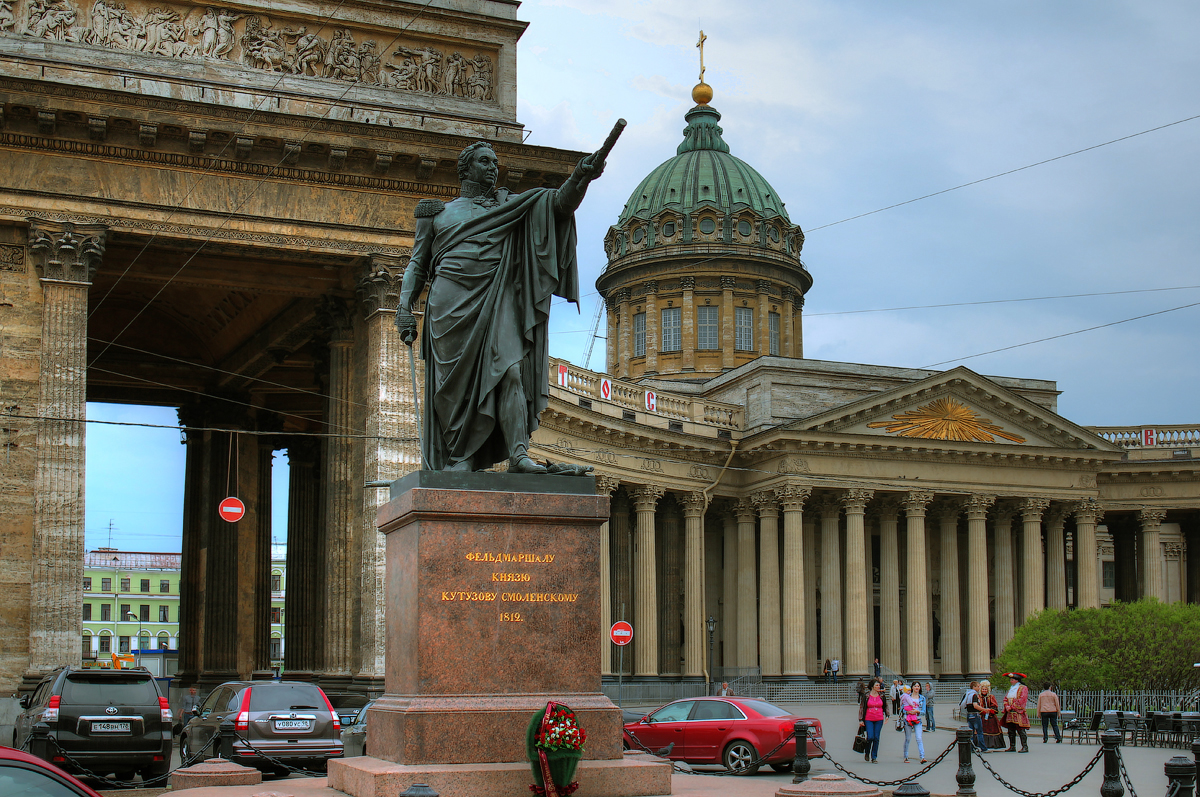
x=231 y=510
x=621 y=633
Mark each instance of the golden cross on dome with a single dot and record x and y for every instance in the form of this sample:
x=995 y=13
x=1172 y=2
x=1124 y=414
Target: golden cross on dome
x=700 y=44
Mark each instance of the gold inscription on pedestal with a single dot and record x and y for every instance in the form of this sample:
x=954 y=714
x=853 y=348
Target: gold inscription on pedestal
x=518 y=558
x=511 y=617
x=539 y=597
x=468 y=596
x=510 y=576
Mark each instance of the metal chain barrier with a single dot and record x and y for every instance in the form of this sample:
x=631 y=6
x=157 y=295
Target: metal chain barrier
x=914 y=776
x=1125 y=776
x=308 y=773
x=758 y=762
x=145 y=783
x=1053 y=792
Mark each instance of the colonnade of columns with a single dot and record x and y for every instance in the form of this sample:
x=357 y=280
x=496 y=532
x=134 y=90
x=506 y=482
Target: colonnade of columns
x=952 y=581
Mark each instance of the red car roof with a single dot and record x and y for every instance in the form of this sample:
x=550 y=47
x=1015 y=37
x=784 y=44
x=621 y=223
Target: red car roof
x=12 y=754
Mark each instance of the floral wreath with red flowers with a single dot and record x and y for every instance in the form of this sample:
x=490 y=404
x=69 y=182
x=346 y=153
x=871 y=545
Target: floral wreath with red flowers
x=555 y=735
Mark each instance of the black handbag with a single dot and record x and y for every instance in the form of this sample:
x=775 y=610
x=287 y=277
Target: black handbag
x=860 y=742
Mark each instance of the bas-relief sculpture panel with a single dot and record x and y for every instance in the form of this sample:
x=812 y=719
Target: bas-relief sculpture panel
x=256 y=41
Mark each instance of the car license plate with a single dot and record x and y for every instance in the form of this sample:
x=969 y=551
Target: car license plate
x=110 y=727
x=291 y=725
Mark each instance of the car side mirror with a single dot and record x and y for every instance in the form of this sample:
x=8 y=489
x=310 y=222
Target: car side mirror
x=24 y=701
x=646 y=720
x=195 y=711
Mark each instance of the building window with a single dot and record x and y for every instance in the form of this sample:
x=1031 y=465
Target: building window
x=670 y=328
x=164 y=586
x=276 y=582
x=87 y=646
x=87 y=584
x=743 y=328
x=106 y=585
x=639 y=335
x=145 y=585
x=1109 y=575
x=276 y=649
x=164 y=614
x=123 y=644
x=125 y=612
x=144 y=612
x=276 y=615
x=708 y=328
x=124 y=585
x=87 y=612
x=773 y=328
x=144 y=641
x=105 y=613
x=105 y=643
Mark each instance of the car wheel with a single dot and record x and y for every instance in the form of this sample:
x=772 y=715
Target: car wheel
x=738 y=755
x=786 y=766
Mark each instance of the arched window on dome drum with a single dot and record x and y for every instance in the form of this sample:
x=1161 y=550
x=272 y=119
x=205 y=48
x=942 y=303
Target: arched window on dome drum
x=773 y=329
x=639 y=335
x=671 y=320
x=743 y=328
x=708 y=328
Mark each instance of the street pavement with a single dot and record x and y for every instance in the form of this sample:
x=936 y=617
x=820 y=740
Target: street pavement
x=1045 y=767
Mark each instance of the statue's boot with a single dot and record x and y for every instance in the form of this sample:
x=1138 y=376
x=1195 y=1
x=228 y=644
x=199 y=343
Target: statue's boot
x=514 y=421
x=521 y=462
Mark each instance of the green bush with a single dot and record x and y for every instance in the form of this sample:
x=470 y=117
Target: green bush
x=1138 y=646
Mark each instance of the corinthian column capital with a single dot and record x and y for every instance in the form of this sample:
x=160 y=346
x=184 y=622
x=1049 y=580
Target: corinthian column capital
x=855 y=499
x=66 y=252
x=694 y=503
x=915 y=502
x=766 y=502
x=792 y=496
x=1151 y=518
x=977 y=505
x=606 y=484
x=1089 y=510
x=1032 y=508
x=378 y=288
x=646 y=497
x=745 y=510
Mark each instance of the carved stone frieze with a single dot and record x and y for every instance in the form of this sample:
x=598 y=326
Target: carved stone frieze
x=66 y=252
x=257 y=41
x=793 y=465
x=12 y=258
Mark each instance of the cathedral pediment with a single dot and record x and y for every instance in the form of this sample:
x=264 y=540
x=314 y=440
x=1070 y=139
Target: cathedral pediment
x=957 y=406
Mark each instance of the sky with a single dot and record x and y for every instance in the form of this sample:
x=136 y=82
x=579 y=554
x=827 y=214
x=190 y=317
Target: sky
x=849 y=107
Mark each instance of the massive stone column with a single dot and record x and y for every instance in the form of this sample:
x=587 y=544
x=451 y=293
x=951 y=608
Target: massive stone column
x=653 y=327
x=795 y=570
x=729 y=589
x=303 y=609
x=66 y=257
x=1032 y=565
x=918 y=579
x=645 y=583
x=687 y=324
x=951 y=642
x=670 y=587
x=831 y=578
x=195 y=544
x=728 y=283
x=624 y=347
x=747 y=618
x=978 y=650
x=1087 y=589
x=621 y=537
x=342 y=550
x=889 y=586
x=605 y=485
x=1152 y=555
x=857 y=659
x=1056 y=561
x=391 y=448
x=770 y=655
x=811 y=603
x=694 y=628
x=1005 y=611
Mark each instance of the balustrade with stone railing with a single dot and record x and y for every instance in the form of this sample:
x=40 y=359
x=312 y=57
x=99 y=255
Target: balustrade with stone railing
x=1150 y=436
x=696 y=416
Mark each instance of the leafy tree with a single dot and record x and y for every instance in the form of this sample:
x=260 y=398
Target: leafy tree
x=1142 y=645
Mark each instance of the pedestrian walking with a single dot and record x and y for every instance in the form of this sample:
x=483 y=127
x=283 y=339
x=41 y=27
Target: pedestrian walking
x=1048 y=709
x=878 y=668
x=860 y=688
x=930 y=725
x=872 y=711
x=894 y=693
x=993 y=734
x=826 y=672
x=912 y=704
x=836 y=666
x=974 y=722
x=724 y=691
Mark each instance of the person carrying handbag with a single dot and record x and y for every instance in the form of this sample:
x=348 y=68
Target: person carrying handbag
x=912 y=707
x=872 y=711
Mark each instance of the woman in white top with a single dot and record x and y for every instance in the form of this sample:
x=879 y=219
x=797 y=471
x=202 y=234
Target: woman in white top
x=912 y=714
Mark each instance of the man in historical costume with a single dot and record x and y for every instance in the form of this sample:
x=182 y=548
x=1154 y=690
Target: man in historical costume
x=493 y=261
x=1014 y=716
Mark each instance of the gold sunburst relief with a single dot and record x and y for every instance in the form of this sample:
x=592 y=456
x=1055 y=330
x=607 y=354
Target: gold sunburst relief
x=945 y=419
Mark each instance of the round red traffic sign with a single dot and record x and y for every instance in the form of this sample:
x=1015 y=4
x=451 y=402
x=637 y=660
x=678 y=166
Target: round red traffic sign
x=621 y=633
x=231 y=509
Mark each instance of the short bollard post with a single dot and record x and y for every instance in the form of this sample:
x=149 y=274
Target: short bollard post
x=801 y=766
x=911 y=789
x=966 y=773
x=226 y=734
x=1111 y=787
x=1181 y=776
x=418 y=790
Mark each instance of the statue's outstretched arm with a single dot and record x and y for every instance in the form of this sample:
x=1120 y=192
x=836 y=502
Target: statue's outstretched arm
x=415 y=275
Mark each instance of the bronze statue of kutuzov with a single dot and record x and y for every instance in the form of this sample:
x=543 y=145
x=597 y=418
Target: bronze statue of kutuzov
x=493 y=261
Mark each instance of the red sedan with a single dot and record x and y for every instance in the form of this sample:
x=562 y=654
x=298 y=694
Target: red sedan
x=731 y=731
x=21 y=774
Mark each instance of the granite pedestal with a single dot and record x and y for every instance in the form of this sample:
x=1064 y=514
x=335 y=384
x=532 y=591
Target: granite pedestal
x=493 y=609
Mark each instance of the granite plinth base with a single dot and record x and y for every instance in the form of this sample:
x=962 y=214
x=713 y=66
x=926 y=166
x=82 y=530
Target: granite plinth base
x=632 y=776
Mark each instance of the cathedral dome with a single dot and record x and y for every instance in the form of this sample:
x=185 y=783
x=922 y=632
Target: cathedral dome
x=703 y=172
x=704 y=271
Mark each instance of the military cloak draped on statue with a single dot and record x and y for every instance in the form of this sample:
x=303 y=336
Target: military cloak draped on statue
x=493 y=278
